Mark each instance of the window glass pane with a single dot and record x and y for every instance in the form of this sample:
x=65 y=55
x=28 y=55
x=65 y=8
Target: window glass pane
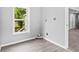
x=20 y=15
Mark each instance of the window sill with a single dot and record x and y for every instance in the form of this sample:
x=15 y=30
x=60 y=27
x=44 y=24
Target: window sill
x=16 y=33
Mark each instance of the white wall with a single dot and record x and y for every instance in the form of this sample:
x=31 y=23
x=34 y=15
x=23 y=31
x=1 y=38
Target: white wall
x=55 y=29
x=0 y=29
x=6 y=25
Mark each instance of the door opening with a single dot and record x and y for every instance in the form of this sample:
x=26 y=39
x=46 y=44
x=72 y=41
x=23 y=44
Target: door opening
x=73 y=30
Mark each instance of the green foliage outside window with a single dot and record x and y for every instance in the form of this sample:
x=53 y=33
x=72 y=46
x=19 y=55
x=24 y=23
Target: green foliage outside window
x=19 y=15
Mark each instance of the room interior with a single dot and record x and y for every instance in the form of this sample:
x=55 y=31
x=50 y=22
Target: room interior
x=73 y=29
x=46 y=29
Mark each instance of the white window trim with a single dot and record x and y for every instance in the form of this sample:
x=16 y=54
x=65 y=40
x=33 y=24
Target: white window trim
x=28 y=26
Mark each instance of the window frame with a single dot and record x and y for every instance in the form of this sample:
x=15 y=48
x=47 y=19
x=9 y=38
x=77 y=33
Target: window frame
x=26 y=21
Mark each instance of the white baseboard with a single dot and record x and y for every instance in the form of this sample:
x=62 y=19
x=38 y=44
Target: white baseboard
x=54 y=43
x=3 y=45
x=40 y=37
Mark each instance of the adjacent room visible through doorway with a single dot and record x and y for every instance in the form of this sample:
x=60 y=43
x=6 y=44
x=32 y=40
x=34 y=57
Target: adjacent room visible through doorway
x=74 y=30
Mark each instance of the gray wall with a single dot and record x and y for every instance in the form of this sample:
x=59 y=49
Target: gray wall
x=0 y=27
x=6 y=25
x=55 y=29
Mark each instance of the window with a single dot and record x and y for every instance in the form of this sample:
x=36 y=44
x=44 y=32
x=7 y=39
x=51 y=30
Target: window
x=20 y=20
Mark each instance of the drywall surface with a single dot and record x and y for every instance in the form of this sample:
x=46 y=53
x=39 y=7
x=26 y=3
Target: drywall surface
x=7 y=25
x=54 y=24
x=0 y=28
x=42 y=22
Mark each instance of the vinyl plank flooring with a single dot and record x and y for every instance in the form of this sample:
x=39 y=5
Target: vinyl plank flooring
x=36 y=45
x=74 y=40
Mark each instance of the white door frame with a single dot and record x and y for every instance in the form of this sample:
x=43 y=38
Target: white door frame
x=66 y=27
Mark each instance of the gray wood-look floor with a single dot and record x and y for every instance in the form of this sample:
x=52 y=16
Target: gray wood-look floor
x=41 y=45
x=74 y=40
x=36 y=45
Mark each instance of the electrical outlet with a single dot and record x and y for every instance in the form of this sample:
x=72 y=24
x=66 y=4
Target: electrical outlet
x=38 y=35
x=45 y=20
x=46 y=33
x=54 y=18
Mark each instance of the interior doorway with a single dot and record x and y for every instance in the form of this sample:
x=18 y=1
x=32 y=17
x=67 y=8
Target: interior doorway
x=74 y=30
